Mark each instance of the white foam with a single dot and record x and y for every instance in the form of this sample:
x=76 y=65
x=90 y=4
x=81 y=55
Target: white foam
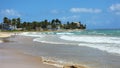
x=64 y=33
x=97 y=33
x=50 y=42
x=50 y=61
x=32 y=34
x=104 y=43
x=108 y=44
x=1 y=41
x=57 y=65
x=104 y=47
x=92 y=39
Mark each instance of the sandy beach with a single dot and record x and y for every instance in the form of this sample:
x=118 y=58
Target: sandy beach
x=11 y=58
x=4 y=35
x=15 y=59
x=19 y=49
x=13 y=54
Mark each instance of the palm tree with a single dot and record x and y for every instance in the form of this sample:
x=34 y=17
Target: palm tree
x=18 y=22
x=28 y=26
x=5 y=20
x=34 y=25
x=24 y=24
x=14 y=22
x=10 y=22
x=53 y=23
x=58 y=22
x=46 y=22
x=68 y=25
x=0 y=26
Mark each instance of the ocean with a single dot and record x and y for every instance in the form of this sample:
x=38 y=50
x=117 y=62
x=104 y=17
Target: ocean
x=94 y=48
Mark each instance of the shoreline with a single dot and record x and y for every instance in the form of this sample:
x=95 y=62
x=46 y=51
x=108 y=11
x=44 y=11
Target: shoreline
x=9 y=57
x=63 y=65
x=12 y=56
x=4 y=35
x=42 y=62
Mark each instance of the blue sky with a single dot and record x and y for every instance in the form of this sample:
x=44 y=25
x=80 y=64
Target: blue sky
x=96 y=14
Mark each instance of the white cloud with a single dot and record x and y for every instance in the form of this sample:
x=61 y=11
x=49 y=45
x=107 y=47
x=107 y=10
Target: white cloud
x=115 y=8
x=10 y=12
x=55 y=11
x=85 y=10
x=71 y=18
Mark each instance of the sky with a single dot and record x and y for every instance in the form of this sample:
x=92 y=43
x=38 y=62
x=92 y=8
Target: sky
x=96 y=14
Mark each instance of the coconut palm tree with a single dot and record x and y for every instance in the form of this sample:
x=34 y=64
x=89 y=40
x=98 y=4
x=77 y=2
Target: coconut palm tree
x=5 y=20
x=18 y=22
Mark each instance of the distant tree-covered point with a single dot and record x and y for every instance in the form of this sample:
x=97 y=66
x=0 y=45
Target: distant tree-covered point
x=54 y=24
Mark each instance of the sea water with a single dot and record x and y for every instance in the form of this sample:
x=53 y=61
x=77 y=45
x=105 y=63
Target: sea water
x=95 y=48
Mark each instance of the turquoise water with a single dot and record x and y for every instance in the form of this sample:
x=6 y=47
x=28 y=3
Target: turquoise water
x=99 y=32
x=105 y=40
x=96 y=48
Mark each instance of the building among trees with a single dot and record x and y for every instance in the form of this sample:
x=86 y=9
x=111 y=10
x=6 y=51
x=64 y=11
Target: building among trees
x=55 y=24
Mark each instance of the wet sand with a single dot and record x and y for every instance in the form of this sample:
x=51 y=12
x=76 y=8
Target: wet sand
x=12 y=58
x=15 y=59
x=13 y=54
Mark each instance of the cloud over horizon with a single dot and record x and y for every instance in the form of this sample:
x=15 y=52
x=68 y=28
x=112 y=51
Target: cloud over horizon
x=85 y=10
x=55 y=11
x=70 y=18
x=95 y=14
x=115 y=8
x=10 y=12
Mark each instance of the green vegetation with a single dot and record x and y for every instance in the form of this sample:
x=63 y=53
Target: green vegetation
x=54 y=24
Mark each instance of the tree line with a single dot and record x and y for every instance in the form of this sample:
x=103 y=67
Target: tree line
x=54 y=24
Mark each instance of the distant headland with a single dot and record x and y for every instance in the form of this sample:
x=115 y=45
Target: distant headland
x=45 y=25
